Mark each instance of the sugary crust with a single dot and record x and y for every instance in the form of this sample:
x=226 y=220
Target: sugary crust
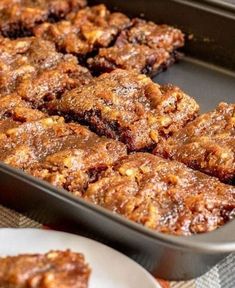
x=206 y=144
x=135 y=57
x=73 y=169
x=152 y=35
x=144 y=47
x=33 y=69
x=14 y=111
x=84 y=31
x=129 y=107
x=19 y=17
x=163 y=195
x=67 y=155
x=32 y=141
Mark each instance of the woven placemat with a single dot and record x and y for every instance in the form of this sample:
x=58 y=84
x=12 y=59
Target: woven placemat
x=221 y=276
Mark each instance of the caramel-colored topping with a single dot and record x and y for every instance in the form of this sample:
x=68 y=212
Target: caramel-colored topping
x=62 y=269
x=206 y=144
x=17 y=18
x=163 y=195
x=130 y=107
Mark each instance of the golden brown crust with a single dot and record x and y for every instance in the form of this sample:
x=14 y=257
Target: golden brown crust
x=139 y=58
x=73 y=169
x=18 y=17
x=32 y=141
x=14 y=111
x=60 y=269
x=84 y=31
x=33 y=69
x=144 y=47
x=163 y=195
x=152 y=35
x=206 y=144
x=66 y=155
x=130 y=107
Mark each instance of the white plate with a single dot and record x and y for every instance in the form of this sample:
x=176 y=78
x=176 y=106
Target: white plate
x=110 y=269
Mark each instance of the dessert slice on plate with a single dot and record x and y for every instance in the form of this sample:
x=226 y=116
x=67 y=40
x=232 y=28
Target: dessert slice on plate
x=61 y=269
x=55 y=260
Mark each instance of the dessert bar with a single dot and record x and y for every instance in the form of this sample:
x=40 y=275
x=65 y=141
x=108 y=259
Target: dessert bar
x=66 y=154
x=129 y=107
x=139 y=58
x=163 y=195
x=84 y=31
x=206 y=144
x=145 y=47
x=18 y=17
x=33 y=69
x=62 y=269
x=152 y=35
x=31 y=141
x=74 y=168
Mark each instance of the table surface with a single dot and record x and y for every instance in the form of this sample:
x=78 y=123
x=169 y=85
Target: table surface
x=221 y=276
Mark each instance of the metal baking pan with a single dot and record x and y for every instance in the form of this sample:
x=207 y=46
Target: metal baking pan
x=205 y=73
